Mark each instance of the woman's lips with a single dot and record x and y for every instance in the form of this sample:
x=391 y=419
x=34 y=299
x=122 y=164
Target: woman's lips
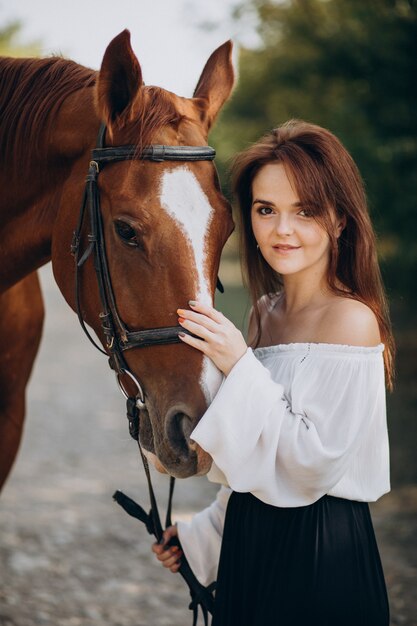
x=286 y=248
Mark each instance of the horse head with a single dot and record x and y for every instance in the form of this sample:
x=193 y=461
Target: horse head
x=164 y=226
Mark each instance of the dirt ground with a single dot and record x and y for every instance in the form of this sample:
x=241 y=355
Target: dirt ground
x=69 y=556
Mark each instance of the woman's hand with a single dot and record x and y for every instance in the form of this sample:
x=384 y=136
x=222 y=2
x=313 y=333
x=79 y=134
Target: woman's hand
x=220 y=340
x=170 y=556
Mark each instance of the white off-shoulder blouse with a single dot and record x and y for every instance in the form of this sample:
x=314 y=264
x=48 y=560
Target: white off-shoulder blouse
x=291 y=423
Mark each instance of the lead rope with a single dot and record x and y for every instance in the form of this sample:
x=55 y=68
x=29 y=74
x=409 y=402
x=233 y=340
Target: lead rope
x=201 y=596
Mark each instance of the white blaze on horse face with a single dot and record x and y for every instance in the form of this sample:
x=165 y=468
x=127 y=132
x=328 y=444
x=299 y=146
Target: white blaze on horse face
x=184 y=200
x=186 y=203
x=210 y=380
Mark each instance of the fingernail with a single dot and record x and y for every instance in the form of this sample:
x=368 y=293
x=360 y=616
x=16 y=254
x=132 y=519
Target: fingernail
x=181 y=320
x=181 y=334
x=192 y=302
x=180 y=311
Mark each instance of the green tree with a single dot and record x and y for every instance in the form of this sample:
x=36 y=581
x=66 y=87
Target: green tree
x=10 y=44
x=350 y=66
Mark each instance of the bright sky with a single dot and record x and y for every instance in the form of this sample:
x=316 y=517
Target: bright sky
x=166 y=34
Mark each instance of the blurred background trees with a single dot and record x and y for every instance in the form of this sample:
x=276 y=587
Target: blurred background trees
x=12 y=46
x=348 y=65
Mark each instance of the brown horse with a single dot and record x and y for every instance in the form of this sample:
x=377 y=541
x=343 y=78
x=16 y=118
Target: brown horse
x=165 y=225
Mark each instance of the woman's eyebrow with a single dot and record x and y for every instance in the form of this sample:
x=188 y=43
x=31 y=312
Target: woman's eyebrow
x=259 y=201
x=269 y=203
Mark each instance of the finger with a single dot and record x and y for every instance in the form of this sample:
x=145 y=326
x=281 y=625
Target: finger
x=171 y=562
x=196 y=329
x=172 y=553
x=176 y=567
x=194 y=342
x=206 y=310
x=170 y=532
x=198 y=318
x=165 y=556
x=158 y=548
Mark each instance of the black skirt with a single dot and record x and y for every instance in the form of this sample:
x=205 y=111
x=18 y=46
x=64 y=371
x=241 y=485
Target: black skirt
x=316 y=564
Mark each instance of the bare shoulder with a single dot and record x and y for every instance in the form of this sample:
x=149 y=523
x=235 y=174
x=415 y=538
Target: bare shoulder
x=348 y=321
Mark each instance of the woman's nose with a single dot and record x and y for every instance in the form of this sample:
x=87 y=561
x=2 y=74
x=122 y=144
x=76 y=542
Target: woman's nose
x=284 y=225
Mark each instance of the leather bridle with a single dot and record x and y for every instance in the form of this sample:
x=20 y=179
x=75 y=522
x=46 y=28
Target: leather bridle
x=118 y=337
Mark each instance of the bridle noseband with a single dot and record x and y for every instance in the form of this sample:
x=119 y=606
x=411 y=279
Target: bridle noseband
x=119 y=337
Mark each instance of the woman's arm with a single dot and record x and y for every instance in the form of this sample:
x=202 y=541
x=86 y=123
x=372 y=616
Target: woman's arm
x=287 y=454
x=290 y=453
x=201 y=537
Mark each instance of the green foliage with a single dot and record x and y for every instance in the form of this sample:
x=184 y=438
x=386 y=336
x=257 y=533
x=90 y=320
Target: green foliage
x=348 y=65
x=12 y=47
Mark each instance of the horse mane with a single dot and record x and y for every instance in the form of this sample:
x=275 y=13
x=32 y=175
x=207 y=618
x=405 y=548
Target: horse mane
x=32 y=91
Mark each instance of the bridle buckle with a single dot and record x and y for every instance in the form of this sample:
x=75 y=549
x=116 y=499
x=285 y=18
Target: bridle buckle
x=158 y=153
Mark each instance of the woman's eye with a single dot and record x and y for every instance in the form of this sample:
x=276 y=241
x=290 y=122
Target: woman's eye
x=265 y=210
x=126 y=233
x=305 y=213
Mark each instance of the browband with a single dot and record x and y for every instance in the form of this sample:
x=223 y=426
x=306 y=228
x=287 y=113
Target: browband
x=153 y=153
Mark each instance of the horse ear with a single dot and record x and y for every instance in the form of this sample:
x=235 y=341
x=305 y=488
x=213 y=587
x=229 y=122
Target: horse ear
x=119 y=81
x=216 y=81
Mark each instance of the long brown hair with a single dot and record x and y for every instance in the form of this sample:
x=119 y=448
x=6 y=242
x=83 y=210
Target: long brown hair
x=326 y=179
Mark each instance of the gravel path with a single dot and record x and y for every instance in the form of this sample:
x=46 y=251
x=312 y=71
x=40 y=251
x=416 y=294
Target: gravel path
x=68 y=555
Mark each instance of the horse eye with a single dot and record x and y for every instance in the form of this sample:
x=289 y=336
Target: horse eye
x=126 y=233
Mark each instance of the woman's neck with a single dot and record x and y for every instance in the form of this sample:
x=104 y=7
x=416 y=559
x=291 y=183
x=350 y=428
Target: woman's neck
x=303 y=292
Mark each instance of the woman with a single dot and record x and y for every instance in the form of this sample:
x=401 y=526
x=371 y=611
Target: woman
x=297 y=431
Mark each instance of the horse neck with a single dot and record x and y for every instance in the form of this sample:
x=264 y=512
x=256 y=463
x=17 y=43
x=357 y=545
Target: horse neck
x=33 y=197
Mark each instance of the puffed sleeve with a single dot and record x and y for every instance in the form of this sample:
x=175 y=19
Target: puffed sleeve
x=289 y=449
x=201 y=538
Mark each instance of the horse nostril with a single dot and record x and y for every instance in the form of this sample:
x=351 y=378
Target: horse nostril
x=179 y=427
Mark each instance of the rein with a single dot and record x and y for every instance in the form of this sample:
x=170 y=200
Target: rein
x=119 y=337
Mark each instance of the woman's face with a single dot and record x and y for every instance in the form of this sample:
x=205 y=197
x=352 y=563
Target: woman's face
x=289 y=238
